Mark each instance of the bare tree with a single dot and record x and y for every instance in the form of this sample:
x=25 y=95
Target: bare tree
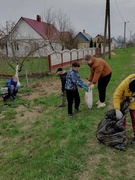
x=66 y=31
x=57 y=29
x=11 y=38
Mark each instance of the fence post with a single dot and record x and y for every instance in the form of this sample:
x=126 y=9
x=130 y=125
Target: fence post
x=50 y=63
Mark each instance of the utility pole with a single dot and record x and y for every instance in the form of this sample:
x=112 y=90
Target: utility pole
x=109 y=30
x=125 y=24
x=107 y=22
x=105 y=30
x=130 y=35
x=124 y=34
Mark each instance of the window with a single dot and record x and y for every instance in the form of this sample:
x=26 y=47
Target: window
x=16 y=46
x=84 y=45
x=2 y=45
x=36 y=46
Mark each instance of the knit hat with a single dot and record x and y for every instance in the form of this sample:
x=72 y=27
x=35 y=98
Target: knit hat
x=132 y=85
x=59 y=69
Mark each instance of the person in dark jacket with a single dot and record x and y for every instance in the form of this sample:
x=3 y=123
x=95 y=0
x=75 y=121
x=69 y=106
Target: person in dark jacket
x=62 y=74
x=12 y=88
x=72 y=82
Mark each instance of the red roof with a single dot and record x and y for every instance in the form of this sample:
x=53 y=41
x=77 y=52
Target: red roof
x=46 y=30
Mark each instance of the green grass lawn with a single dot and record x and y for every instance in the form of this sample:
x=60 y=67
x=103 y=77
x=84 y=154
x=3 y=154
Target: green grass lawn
x=40 y=142
x=32 y=66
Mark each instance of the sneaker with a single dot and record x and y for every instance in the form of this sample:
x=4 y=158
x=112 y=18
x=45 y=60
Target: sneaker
x=4 y=99
x=98 y=102
x=60 y=106
x=77 y=110
x=14 y=97
x=101 y=105
x=70 y=115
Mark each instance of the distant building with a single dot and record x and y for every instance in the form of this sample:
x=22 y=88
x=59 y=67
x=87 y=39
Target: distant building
x=100 y=41
x=116 y=43
x=84 y=40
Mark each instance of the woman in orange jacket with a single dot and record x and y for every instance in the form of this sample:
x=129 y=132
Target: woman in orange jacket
x=126 y=89
x=100 y=72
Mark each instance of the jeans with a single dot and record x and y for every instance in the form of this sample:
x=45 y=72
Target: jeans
x=11 y=92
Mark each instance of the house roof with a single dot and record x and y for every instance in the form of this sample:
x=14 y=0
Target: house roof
x=46 y=30
x=86 y=35
x=100 y=36
x=117 y=40
x=83 y=37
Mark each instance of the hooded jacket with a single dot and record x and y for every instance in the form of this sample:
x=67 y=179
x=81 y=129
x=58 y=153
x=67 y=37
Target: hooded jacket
x=122 y=92
x=98 y=68
x=73 y=80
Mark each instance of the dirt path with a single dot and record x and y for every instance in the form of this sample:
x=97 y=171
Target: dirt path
x=43 y=89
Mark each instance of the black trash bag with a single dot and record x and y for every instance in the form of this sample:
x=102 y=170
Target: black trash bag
x=110 y=131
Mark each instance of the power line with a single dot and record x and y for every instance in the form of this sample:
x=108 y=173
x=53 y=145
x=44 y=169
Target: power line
x=119 y=11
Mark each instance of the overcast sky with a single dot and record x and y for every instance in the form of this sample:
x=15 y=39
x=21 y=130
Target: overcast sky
x=83 y=14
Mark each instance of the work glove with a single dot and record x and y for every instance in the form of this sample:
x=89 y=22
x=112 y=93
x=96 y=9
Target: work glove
x=119 y=114
x=85 y=87
x=92 y=86
x=132 y=99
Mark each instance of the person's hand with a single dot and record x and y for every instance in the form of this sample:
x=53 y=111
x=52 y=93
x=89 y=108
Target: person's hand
x=88 y=83
x=119 y=114
x=92 y=86
x=132 y=99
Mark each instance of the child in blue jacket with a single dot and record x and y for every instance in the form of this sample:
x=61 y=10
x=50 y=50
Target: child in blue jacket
x=12 y=88
x=73 y=81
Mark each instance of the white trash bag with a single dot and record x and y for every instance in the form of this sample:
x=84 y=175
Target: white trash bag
x=89 y=98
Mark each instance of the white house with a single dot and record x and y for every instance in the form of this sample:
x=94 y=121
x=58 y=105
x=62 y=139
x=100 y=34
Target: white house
x=31 y=37
x=116 y=43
